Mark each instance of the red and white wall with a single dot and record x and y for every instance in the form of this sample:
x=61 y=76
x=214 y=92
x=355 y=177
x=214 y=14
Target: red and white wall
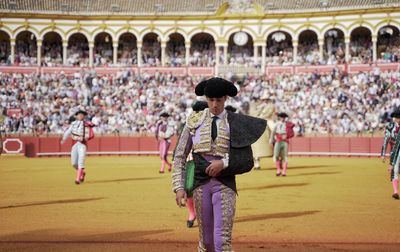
x=129 y=145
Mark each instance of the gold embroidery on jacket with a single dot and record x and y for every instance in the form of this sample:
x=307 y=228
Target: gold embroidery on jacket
x=221 y=144
x=194 y=120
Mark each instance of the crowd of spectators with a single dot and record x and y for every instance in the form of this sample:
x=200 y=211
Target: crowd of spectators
x=389 y=49
x=279 y=53
x=78 y=54
x=202 y=55
x=125 y=103
x=52 y=54
x=25 y=52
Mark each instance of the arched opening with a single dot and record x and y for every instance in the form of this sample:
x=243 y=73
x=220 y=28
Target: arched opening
x=388 y=44
x=308 y=49
x=103 y=49
x=151 y=50
x=202 y=50
x=175 y=51
x=5 y=48
x=52 y=49
x=241 y=49
x=334 y=46
x=25 y=49
x=127 y=49
x=279 y=49
x=78 y=50
x=361 y=46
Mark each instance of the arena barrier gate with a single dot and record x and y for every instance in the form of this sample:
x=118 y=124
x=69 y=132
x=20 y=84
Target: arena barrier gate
x=146 y=145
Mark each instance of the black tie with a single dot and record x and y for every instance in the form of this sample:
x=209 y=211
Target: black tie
x=214 y=131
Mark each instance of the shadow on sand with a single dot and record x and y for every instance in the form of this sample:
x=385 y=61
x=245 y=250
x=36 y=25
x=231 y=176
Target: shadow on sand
x=314 y=173
x=121 y=180
x=272 y=186
x=303 y=167
x=50 y=202
x=60 y=236
x=273 y=216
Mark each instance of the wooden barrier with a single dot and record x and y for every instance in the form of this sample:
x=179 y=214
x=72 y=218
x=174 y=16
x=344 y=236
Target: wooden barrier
x=129 y=145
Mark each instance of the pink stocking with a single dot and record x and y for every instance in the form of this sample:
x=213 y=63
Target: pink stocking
x=190 y=206
x=278 y=167
x=169 y=164
x=82 y=175
x=395 y=183
x=78 y=175
x=162 y=166
x=285 y=165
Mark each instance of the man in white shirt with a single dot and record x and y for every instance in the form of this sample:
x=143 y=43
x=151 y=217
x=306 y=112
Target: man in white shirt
x=81 y=132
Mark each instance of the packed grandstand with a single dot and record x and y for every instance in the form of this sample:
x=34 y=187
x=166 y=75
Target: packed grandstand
x=254 y=43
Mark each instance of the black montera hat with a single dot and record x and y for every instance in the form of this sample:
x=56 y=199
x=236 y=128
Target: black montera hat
x=215 y=88
x=283 y=114
x=395 y=114
x=81 y=112
x=164 y=114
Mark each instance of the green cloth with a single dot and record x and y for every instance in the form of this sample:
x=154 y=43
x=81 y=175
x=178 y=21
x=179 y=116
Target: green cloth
x=189 y=180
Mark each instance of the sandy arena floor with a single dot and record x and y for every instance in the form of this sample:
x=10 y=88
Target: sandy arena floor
x=325 y=204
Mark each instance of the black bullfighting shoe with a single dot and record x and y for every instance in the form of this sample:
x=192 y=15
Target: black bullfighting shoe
x=190 y=223
x=395 y=196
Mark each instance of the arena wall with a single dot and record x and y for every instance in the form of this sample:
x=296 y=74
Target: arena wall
x=146 y=145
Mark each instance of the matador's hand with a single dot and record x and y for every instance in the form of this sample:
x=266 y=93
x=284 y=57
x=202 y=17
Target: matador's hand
x=181 y=198
x=390 y=168
x=215 y=168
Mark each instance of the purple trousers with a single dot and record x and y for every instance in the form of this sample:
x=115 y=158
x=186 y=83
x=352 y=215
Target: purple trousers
x=215 y=209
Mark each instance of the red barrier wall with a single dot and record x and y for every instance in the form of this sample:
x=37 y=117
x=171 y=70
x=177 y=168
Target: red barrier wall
x=109 y=145
x=355 y=146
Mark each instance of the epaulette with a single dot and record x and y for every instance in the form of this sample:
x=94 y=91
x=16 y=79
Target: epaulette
x=195 y=119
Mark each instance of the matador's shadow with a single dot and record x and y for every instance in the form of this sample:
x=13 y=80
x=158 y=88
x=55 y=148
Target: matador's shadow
x=314 y=173
x=272 y=186
x=273 y=216
x=121 y=180
x=50 y=202
x=58 y=236
x=303 y=167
